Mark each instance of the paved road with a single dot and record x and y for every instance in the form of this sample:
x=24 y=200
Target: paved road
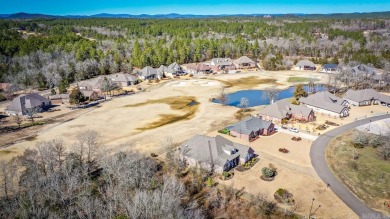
x=317 y=155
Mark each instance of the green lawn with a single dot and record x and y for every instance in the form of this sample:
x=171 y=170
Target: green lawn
x=300 y=79
x=368 y=176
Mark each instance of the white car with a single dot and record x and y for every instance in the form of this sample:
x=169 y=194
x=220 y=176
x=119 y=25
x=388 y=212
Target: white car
x=292 y=129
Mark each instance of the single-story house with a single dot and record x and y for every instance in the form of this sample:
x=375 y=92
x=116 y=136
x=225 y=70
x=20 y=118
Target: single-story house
x=244 y=62
x=217 y=152
x=59 y=98
x=123 y=80
x=305 y=65
x=218 y=64
x=363 y=71
x=251 y=128
x=21 y=104
x=176 y=68
x=284 y=109
x=327 y=103
x=198 y=69
x=364 y=97
x=149 y=73
x=93 y=84
x=329 y=68
x=90 y=94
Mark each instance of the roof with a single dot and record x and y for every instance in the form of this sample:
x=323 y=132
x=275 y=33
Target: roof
x=249 y=125
x=198 y=148
x=243 y=60
x=94 y=83
x=121 y=77
x=327 y=66
x=148 y=71
x=20 y=103
x=221 y=61
x=198 y=67
x=305 y=62
x=279 y=109
x=324 y=100
x=174 y=66
x=363 y=69
x=59 y=96
x=362 y=95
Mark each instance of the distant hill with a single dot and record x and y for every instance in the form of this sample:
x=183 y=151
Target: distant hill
x=23 y=15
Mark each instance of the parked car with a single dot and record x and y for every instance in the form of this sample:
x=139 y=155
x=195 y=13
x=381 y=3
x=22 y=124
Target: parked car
x=292 y=129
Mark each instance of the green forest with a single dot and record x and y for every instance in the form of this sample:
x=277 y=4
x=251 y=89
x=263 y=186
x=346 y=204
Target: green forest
x=44 y=53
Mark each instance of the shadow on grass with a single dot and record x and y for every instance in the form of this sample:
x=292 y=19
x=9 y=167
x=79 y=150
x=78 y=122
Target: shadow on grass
x=187 y=104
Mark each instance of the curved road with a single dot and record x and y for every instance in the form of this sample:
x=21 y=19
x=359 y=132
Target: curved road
x=317 y=156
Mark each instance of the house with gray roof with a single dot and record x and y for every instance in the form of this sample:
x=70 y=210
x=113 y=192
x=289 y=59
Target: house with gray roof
x=123 y=79
x=326 y=103
x=198 y=68
x=363 y=97
x=284 y=109
x=21 y=104
x=305 y=65
x=149 y=73
x=330 y=68
x=59 y=98
x=244 y=62
x=251 y=128
x=217 y=153
x=93 y=84
x=218 y=64
x=176 y=68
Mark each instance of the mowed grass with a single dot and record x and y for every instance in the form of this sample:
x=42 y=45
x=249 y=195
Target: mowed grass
x=300 y=79
x=187 y=104
x=248 y=82
x=368 y=176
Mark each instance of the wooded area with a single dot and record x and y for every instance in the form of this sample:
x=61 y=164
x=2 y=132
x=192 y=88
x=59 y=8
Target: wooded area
x=45 y=53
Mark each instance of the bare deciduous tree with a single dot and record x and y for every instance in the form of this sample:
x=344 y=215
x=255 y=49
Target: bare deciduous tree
x=271 y=93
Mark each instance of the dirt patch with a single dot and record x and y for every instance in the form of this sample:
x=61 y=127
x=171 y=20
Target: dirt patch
x=248 y=82
x=187 y=104
x=243 y=113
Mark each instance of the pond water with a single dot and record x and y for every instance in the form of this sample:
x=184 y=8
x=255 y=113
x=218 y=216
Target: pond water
x=257 y=97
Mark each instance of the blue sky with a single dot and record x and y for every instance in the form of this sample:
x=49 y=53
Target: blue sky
x=201 y=7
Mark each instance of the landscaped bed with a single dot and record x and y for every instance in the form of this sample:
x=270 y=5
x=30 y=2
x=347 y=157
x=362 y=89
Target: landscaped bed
x=247 y=165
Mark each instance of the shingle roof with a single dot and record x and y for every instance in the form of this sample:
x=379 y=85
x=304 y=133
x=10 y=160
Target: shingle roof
x=324 y=100
x=222 y=61
x=362 y=95
x=20 y=103
x=174 y=66
x=363 y=69
x=281 y=108
x=249 y=125
x=198 y=67
x=148 y=71
x=243 y=60
x=305 y=62
x=59 y=96
x=121 y=77
x=198 y=149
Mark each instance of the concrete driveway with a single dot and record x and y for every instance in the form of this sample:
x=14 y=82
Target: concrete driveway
x=317 y=156
x=299 y=134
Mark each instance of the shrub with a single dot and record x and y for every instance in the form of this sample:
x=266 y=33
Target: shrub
x=224 y=131
x=376 y=141
x=360 y=140
x=2 y=97
x=294 y=102
x=153 y=155
x=209 y=182
x=269 y=171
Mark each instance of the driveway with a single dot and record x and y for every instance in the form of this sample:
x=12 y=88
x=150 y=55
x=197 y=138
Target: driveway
x=317 y=156
x=299 y=134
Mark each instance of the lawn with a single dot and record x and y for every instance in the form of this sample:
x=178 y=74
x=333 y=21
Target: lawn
x=300 y=79
x=188 y=105
x=248 y=82
x=368 y=176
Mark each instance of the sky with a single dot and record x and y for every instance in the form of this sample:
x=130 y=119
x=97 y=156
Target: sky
x=199 y=7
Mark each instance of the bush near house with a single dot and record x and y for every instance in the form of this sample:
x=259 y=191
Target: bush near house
x=224 y=131
x=284 y=196
x=268 y=172
x=283 y=150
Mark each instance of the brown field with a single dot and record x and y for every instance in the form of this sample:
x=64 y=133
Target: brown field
x=368 y=176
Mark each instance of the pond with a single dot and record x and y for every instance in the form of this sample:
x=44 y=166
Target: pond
x=257 y=97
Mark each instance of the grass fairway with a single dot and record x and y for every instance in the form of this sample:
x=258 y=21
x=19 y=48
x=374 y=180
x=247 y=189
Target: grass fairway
x=300 y=79
x=368 y=176
x=248 y=82
x=188 y=105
